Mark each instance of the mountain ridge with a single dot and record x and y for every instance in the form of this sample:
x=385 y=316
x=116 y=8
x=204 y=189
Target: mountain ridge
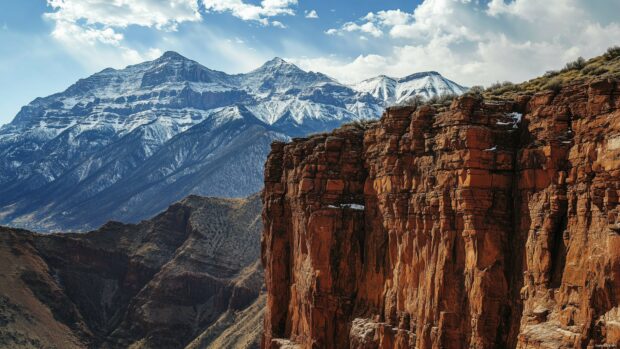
x=397 y=90
x=73 y=150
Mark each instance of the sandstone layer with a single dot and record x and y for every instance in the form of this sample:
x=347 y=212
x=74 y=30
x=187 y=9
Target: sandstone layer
x=179 y=279
x=493 y=224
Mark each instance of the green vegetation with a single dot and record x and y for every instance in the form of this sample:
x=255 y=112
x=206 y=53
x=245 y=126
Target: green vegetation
x=361 y=125
x=443 y=100
x=475 y=91
x=580 y=69
x=612 y=52
x=413 y=101
x=501 y=88
x=436 y=101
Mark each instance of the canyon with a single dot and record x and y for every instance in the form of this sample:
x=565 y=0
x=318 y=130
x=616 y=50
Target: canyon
x=487 y=224
x=189 y=277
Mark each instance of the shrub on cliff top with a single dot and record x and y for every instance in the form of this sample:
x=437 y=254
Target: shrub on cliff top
x=600 y=71
x=475 y=91
x=499 y=88
x=554 y=85
x=551 y=73
x=416 y=101
x=612 y=53
x=443 y=100
x=360 y=124
x=413 y=101
x=577 y=64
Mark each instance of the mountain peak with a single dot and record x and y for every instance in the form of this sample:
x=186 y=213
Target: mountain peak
x=424 y=84
x=172 y=55
x=378 y=78
x=419 y=75
x=277 y=63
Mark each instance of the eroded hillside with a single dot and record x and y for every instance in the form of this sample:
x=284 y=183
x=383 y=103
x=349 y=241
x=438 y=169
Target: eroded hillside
x=182 y=278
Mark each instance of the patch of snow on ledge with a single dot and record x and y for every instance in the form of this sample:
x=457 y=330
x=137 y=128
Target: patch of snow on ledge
x=353 y=206
x=357 y=207
x=516 y=119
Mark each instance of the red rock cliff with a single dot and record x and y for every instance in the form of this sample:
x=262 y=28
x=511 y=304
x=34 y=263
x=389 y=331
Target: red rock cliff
x=489 y=225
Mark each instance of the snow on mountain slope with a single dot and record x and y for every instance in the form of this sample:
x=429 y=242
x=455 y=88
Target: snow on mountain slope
x=381 y=87
x=394 y=91
x=277 y=76
x=124 y=144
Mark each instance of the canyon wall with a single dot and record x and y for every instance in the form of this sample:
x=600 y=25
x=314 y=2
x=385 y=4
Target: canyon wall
x=181 y=279
x=493 y=224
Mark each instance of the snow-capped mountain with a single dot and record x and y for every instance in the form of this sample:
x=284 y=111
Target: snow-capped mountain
x=394 y=91
x=124 y=144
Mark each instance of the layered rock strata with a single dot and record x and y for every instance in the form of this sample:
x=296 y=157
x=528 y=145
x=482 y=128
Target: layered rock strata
x=493 y=224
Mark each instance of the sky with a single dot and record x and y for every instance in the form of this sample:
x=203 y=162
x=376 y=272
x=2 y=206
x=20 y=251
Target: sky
x=46 y=45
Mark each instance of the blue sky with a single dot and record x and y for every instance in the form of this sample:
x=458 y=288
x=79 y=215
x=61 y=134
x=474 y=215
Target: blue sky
x=46 y=45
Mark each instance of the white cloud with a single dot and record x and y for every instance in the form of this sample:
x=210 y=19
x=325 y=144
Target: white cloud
x=97 y=48
x=375 y=23
x=312 y=14
x=390 y=17
x=250 y=12
x=91 y=30
x=278 y=24
x=331 y=31
x=147 y=13
x=476 y=42
x=368 y=28
x=68 y=32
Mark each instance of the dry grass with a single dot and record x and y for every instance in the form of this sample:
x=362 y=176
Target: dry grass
x=438 y=102
x=607 y=64
x=361 y=125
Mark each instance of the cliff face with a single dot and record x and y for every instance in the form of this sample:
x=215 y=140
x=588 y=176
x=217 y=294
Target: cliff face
x=181 y=278
x=489 y=225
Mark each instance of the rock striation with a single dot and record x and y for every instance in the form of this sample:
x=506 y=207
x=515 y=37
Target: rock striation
x=179 y=279
x=492 y=224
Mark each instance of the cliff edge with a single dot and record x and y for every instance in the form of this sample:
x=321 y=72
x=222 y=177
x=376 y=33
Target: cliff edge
x=492 y=224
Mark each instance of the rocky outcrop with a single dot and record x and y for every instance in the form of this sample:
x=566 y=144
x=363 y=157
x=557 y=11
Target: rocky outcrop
x=493 y=224
x=179 y=279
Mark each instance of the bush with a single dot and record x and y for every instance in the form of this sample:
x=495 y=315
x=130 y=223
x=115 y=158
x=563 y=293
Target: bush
x=416 y=101
x=361 y=124
x=413 y=101
x=443 y=100
x=600 y=71
x=475 y=91
x=590 y=68
x=554 y=85
x=499 y=88
x=494 y=86
x=612 y=53
x=551 y=73
x=577 y=64
x=432 y=100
